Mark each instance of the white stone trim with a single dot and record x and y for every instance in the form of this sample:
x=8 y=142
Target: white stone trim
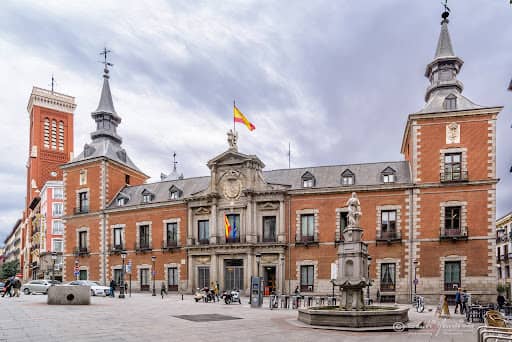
x=78 y=231
x=464 y=157
x=491 y=163
x=166 y=273
x=463 y=262
x=463 y=214
x=313 y=263
x=378 y=264
x=144 y=223
x=84 y=268
x=150 y=274
x=339 y=233
x=77 y=198
x=164 y=229
x=398 y=209
x=122 y=226
x=298 y=214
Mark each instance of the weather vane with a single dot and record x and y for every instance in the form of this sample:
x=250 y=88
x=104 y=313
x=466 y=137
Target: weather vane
x=106 y=63
x=447 y=10
x=53 y=83
x=174 y=162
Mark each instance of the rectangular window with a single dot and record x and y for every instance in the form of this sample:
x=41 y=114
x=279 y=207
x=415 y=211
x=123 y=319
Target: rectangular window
x=57 y=227
x=388 y=224
x=83 y=177
x=388 y=178
x=451 y=275
x=308 y=183
x=57 y=245
x=118 y=238
x=172 y=279
x=83 y=275
x=57 y=209
x=203 y=276
x=146 y=198
x=233 y=274
x=348 y=180
x=82 y=241
x=269 y=229
x=452 y=221
x=234 y=223
x=58 y=193
x=452 y=166
x=307 y=227
x=307 y=277
x=171 y=234
x=83 y=202
x=343 y=220
x=203 y=233
x=144 y=237
x=387 y=277
x=127 y=179
x=144 y=279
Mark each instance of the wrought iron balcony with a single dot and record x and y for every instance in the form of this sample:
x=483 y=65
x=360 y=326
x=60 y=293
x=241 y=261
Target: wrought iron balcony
x=142 y=247
x=389 y=237
x=81 y=210
x=305 y=240
x=81 y=251
x=453 y=234
x=117 y=248
x=461 y=176
x=169 y=244
x=233 y=240
x=204 y=241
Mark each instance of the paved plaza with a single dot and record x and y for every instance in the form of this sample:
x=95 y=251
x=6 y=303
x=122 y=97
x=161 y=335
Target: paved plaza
x=146 y=318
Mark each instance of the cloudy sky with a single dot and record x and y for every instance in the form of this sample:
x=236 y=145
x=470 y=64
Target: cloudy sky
x=336 y=79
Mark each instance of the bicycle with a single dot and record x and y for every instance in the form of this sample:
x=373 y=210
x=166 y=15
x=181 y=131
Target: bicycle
x=419 y=303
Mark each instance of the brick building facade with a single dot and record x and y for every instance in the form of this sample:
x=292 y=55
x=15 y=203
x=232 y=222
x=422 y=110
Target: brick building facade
x=429 y=220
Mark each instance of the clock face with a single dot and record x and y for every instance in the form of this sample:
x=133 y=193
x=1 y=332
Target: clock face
x=53 y=173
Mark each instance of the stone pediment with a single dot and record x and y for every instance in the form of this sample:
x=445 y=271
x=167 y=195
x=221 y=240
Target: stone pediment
x=269 y=206
x=202 y=211
x=232 y=157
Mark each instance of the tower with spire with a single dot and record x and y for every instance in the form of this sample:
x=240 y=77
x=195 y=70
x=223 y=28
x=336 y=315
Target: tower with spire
x=450 y=144
x=91 y=180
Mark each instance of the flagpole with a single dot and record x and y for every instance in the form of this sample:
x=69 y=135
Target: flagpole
x=234 y=105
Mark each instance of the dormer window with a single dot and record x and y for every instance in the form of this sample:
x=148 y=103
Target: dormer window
x=347 y=177
x=308 y=180
x=174 y=195
x=450 y=102
x=147 y=196
x=388 y=175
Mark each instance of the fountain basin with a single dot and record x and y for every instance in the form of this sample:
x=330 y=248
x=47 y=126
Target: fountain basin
x=372 y=316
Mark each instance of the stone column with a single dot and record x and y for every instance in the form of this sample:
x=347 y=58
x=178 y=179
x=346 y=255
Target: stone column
x=190 y=224
x=281 y=237
x=191 y=275
x=214 y=268
x=250 y=235
x=250 y=268
x=213 y=223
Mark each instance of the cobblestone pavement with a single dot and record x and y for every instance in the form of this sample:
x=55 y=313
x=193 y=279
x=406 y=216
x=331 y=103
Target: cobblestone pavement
x=144 y=318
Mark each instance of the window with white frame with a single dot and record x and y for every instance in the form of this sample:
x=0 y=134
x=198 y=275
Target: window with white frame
x=57 y=245
x=58 y=193
x=57 y=209
x=57 y=227
x=307 y=227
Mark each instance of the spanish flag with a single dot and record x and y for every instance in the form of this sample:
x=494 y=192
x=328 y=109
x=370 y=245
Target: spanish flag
x=240 y=117
x=227 y=226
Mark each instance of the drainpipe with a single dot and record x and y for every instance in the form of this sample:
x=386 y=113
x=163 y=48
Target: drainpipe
x=411 y=237
x=289 y=245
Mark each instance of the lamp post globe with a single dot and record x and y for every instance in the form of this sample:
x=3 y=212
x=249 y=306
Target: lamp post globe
x=153 y=271
x=121 y=285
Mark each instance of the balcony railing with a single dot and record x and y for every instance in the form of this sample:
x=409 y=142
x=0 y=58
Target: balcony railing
x=306 y=240
x=203 y=241
x=233 y=240
x=169 y=244
x=81 y=251
x=387 y=287
x=389 y=237
x=453 y=234
x=451 y=286
x=142 y=247
x=461 y=176
x=81 y=210
x=117 y=248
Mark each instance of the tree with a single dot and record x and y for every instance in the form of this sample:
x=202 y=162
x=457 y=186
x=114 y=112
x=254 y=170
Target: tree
x=9 y=269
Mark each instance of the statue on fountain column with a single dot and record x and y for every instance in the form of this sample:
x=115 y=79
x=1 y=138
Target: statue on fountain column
x=354 y=211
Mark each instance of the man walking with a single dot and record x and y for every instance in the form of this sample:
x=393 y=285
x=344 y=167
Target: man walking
x=17 y=286
x=112 y=288
x=458 y=300
x=163 y=290
x=8 y=287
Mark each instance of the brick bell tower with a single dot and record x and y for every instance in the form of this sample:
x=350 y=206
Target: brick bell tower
x=51 y=137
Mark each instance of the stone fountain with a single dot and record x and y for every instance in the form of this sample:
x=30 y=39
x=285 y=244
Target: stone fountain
x=352 y=278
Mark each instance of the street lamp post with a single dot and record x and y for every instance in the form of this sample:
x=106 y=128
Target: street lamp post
x=54 y=257
x=283 y=275
x=369 y=280
x=258 y=259
x=121 y=287
x=415 y=262
x=153 y=259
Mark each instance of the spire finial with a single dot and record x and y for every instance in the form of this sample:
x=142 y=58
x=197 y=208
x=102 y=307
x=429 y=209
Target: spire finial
x=174 y=162
x=105 y=62
x=446 y=12
x=53 y=83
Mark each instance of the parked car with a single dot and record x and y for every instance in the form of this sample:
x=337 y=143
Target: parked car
x=96 y=288
x=38 y=286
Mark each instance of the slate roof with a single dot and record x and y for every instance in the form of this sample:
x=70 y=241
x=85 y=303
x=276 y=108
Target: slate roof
x=106 y=148
x=325 y=177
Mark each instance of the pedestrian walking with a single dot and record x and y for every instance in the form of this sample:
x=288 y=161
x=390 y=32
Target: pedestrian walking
x=16 y=286
x=8 y=287
x=112 y=288
x=458 y=300
x=500 y=300
x=163 y=290
x=465 y=299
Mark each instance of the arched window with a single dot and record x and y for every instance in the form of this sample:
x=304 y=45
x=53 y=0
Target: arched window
x=61 y=135
x=54 y=134
x=46 y=134
x=308 y=180
x=450 y=102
